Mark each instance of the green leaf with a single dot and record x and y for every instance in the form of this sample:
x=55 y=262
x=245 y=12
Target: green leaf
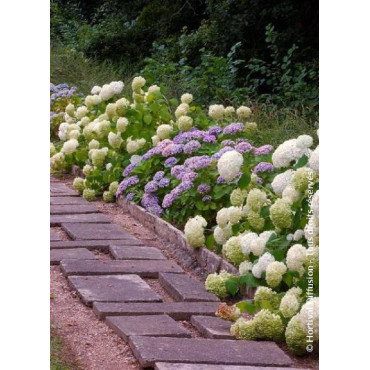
x=265 y=211
x=249 y=280
x=147 y=119
x=301 y=162
x=246 y=306
x=244 y=180
x=210 y=241
x=232 y=287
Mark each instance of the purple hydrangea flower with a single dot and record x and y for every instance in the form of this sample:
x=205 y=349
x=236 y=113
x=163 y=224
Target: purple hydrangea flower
x=228 y=142
x=189 y=176
x=191 y=147
x=150 y=203
x=150 y=153
x=198 y=162
x=209 y=138
x=263 y=150
x=163 y=183
x=206 y=198
x=214 y=130
x=203 y=188
x=125 y=184
x=178 y=171
x=151 y=187
x=233 y=128
x=170 y=162
x=130 y=196
x=172 y=149
x=263 y=167
x=158 y=176
x=129 y=169
x=220 y=180
x=243 y=147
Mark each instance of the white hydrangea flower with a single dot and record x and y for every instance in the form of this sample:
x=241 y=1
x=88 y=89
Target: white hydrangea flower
x=108 y=166
x=194 y=231
x=153 y=89
x=286 y=153
x=291 y=194
x=184 y=123
x=164 y=131
x=290 y=237
x=229 y=165
x=243 y=112
x=70 y=146
x=274 y=273
x=186 y=98
x=84 y=121
x=281 y=181
x=246 y=241
x=262 y=264
x=229 y=111
x=132 y=146
x=295 y=258
x=298 y=235
x=289 y=305
x=122 y=124
x=102 y=128
x=114 y=140
x=70 y=110
x=95 y=90
x=92 y=100
x=87 y=169
x=314 y=160
x=221 y=235
x=216 y=111
x=74 y=134
x=235 y=214
x=245 y=267
x=222 y=217
x=182 y=110
x=81 y=112
x=117 y=86
x=94 y=144
x=256 y=199
x=138 y=83
x=304 y=141
x=257 y=246
x=106 y=92
x=155 y=140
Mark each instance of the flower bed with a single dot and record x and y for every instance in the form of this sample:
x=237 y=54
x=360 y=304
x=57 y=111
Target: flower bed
x=256 y=207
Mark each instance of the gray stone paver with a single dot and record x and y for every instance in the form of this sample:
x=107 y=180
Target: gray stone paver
x=143 y=268
x=212 y=327
x=177 y=310
x=154 y=326
x=86 y=231
x=63 y=209
x=122 y=252
x=185 y=288
x=94 y=244
x=173 y=366
x=67 y=200
x=117 y=288
x=78 y=253
x=57 y=220
x=149 y=350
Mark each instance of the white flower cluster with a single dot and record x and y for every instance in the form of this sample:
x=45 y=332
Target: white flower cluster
x=296 y=257
x=262 y=264
x=164 y=131
x=216 y=111
x=229 y=165
x=291 y=150
x=194 y=231
x=133 y=146
x=254 y=243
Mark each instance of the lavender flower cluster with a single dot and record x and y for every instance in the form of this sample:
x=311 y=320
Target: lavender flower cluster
x=125 y=184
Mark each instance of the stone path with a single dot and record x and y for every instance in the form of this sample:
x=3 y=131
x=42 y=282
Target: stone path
x=156 y=329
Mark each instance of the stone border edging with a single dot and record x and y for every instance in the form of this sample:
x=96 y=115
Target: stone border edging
x=208 y=260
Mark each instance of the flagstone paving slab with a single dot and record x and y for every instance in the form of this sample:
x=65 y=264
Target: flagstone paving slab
x=185 y=288
x=172 y=366
x=143 y=268
x=122 y=252
x=94 y=244
x=177 y=310
x=117 y=288
x=154 y=326
x=57 y=220
x=56 y=188
x=212 y=327
x=67 y=200
x=78 y=253
x=68 y=209
x=86 y=231
x=54 y=236
x=149 y=350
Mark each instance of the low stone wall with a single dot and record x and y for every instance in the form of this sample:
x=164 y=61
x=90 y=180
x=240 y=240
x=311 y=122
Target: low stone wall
x=208 y=260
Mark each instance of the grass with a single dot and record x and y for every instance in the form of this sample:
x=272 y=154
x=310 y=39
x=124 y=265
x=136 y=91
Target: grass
x=60 y=357
x=275 y=125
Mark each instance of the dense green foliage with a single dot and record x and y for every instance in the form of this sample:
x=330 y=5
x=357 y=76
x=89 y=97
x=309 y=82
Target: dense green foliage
x=224 y=50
